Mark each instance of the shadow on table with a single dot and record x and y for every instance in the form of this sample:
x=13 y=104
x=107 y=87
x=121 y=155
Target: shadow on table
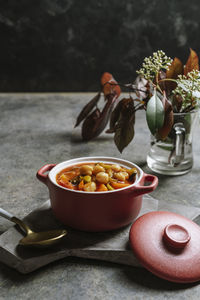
x=43 y=219
x=132 y=275
x=149 y=280
x=77 y=139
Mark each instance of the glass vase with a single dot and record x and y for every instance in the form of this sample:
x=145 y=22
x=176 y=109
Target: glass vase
x=174 y=156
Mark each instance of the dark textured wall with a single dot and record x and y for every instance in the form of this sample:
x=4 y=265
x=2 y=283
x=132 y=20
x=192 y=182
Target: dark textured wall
x=65 y=45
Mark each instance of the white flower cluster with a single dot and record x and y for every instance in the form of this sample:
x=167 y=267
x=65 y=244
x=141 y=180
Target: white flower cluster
x=188 y=87
x=153 y=64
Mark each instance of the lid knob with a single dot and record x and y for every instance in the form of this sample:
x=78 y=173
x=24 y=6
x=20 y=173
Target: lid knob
x=176 y=235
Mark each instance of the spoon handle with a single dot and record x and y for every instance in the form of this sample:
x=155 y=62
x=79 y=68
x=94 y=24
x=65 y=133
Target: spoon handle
x=5 y=214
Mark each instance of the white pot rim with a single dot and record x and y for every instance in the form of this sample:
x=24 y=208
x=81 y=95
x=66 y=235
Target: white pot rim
x=106 y=159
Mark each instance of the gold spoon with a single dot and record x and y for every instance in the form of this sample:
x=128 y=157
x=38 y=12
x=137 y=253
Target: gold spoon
x=38 y=239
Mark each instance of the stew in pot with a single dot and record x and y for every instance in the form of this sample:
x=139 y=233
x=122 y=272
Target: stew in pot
x=96 y=177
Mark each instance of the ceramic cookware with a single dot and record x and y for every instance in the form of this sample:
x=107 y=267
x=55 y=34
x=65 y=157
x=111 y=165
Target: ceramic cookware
x=96 y=211
x=168 y=245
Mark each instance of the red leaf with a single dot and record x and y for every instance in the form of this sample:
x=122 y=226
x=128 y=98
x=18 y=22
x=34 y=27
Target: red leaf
x=192 y=62
x=141 y=85
x=178 y=101
x=124 y=129
x=87 y=109
x=89 y=123
x=109 y=85
x=114 y=117
x=95 y=123
x=175 y=69
x=168 y=119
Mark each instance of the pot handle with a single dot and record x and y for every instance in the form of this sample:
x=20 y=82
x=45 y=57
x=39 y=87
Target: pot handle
x=144 y=189
x=40 y=173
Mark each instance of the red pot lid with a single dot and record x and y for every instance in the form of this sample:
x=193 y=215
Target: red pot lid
x=168 y=245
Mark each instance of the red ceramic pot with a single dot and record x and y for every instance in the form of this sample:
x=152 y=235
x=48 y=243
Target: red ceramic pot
x=96 y=211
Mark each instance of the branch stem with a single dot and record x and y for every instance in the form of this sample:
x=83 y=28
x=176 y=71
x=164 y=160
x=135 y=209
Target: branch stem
x=128 y=86
x=167 y=79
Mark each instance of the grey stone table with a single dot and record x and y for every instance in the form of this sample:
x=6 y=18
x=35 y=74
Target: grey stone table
x=38 y=128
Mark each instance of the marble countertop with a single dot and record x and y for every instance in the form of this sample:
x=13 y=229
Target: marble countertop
x=36 y=129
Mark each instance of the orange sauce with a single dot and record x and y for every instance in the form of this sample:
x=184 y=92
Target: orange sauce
x=96 y=177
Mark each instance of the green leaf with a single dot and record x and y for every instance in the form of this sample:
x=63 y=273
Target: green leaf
x=155 y=113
